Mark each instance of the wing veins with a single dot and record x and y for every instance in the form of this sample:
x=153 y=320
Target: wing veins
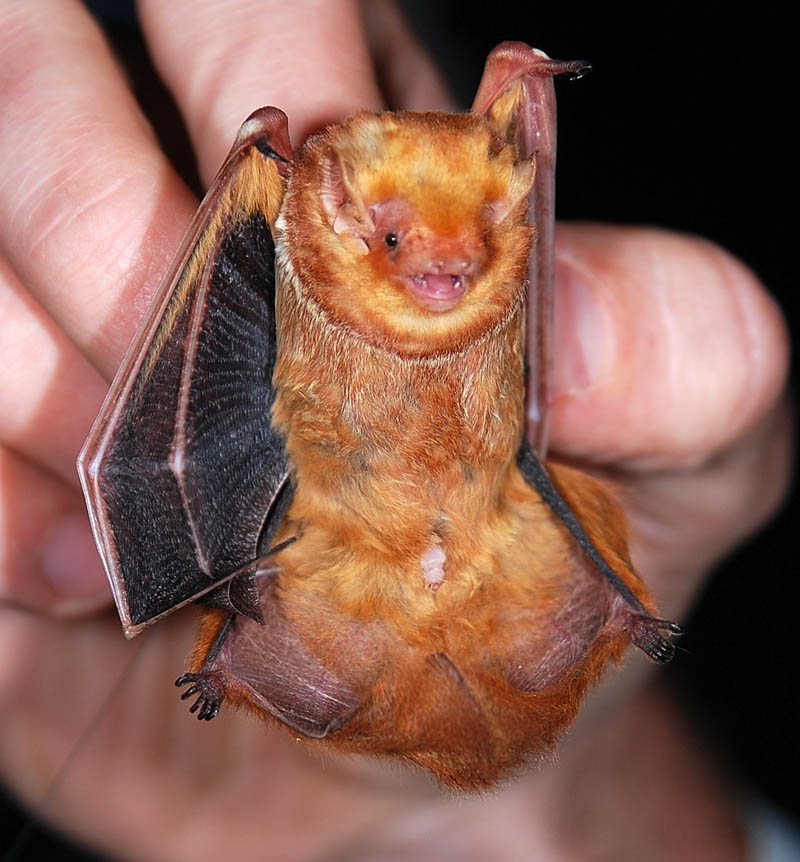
x=177 y=459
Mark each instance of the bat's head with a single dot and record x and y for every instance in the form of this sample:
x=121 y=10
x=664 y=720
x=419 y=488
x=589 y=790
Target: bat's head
x=411 y=228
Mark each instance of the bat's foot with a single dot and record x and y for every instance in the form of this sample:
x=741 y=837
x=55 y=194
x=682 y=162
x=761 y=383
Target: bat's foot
x=209 y=685
x=645 y=632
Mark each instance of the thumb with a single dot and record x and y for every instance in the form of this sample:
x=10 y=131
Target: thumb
x=671 y=359
x=667 y=348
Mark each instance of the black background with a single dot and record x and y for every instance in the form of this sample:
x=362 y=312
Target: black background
x=684 y=123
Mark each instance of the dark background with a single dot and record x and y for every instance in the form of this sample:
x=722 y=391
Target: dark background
x=682 y=124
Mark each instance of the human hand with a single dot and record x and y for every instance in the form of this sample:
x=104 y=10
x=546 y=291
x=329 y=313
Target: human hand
x=91 y=214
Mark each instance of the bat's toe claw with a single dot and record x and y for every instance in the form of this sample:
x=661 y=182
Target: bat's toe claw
x=189 y=692
x=645 y=632
x=210 y=688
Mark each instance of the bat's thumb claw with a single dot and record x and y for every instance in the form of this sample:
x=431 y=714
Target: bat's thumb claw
x=575 y=69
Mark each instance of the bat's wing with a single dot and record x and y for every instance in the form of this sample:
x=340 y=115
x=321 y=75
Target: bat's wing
x=643 y=627
x=185 y=477
x=516 y=93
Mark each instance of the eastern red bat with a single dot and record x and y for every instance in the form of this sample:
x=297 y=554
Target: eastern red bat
x=319 y=434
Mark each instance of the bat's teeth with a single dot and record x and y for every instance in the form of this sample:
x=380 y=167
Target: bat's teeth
x=438 y=292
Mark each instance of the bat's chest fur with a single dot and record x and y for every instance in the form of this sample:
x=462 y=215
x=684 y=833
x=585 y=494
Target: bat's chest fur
x=403 y=467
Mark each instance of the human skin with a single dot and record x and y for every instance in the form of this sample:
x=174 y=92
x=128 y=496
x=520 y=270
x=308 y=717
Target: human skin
x=90 y=214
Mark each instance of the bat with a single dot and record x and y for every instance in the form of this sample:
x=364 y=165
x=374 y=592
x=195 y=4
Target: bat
x=319 y=435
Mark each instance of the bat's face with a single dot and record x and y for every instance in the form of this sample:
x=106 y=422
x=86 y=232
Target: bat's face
x=411 y=229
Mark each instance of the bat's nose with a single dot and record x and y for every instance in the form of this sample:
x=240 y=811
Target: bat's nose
x=453 y=265
x=459 y=256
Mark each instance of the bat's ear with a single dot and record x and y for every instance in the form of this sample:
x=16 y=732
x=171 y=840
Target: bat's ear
x=522 y=180
x=343 y=201
x=516 y=97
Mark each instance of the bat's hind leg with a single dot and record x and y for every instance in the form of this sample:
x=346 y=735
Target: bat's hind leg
x=645 y=634
x=644 y=629
x=209 y=683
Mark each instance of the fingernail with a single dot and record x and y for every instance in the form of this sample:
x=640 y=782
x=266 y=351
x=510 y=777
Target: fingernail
x=70 y=561
x=582 y=330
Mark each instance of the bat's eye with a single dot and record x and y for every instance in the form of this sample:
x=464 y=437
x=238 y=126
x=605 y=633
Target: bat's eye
x=391 y=240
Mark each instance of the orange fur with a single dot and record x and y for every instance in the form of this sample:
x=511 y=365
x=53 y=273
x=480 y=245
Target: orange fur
x=459 y=168
x=403 y=425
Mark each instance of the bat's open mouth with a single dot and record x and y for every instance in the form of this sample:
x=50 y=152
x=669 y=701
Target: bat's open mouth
x=438 y=292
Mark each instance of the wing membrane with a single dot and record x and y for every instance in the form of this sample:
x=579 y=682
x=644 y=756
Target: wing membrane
x=183 y=465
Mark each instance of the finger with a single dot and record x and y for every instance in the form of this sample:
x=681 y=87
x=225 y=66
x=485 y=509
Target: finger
x=90 y=211
x=668 y=349
x=683 y=522
x=671 y=359
x=221 y=62
x=49 y=393
x=409 y=78
x=47 y=557
x=102 y=717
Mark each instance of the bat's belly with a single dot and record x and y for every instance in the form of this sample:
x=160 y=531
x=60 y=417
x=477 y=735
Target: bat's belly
x=358 y=644
x=488 y=589
x=432 y=606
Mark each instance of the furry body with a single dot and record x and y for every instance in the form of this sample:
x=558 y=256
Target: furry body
x=323 y=414
x=430 y=593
